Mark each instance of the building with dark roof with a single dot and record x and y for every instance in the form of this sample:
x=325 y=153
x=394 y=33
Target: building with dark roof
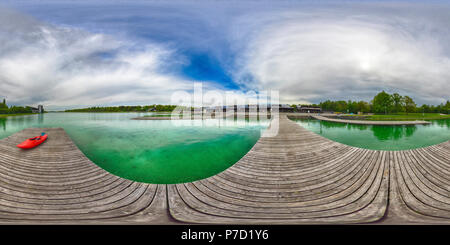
x=39 y=109
x=309 y=109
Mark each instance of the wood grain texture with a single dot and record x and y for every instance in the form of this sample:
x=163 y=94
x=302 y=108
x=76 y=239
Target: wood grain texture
x=369 y=122
x=56 y=183
x=296 y=177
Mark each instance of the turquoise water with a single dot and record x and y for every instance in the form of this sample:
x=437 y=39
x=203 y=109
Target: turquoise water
x=381 y=137
x=157 y=151
x=151 y=151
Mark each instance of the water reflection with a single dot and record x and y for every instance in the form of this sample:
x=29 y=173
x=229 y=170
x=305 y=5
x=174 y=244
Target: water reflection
x=393 y=132
x=40 y=118
x=348 y=126
x=380 y=137
x=442 y=123
x=3 y=123
x=380 y=132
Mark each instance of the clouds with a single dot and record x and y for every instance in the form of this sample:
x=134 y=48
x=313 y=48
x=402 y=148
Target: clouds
x=139 y=53
x=194 y=30
x=64 y=67
x=348 y=54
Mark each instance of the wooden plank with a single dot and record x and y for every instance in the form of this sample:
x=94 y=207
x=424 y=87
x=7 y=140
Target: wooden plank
x=296 y=177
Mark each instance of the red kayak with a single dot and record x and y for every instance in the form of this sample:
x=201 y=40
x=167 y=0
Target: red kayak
x=33 y=142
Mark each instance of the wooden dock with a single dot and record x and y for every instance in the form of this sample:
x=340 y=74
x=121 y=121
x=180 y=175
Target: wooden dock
x=56 y=183
x=368 y=122
x=297 y=177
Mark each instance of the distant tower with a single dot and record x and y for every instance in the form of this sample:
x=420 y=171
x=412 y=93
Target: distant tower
x=41 y=109
x=3 y=104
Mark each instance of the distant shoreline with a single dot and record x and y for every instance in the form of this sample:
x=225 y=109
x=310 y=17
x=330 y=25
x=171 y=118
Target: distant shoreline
x=18 y=114
x=115 y=111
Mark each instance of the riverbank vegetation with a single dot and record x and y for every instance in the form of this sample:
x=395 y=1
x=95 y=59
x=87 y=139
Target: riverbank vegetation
x=148 y=108
x=407 y=117
x=12 y=115
x=384 y=103
x=6 y=111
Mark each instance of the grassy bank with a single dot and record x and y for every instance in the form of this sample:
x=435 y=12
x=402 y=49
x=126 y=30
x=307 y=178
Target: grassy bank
x=13 y=115
x=406 y=117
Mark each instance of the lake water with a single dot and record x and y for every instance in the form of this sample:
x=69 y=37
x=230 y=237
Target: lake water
x=157 y=151
x=151 y=151
x=381 y=137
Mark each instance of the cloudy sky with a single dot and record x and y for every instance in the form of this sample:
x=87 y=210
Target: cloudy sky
x=66 y=54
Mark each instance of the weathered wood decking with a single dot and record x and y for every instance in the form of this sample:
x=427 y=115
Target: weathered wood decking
x=56 y=183
x=296 y=177
x=368 y=122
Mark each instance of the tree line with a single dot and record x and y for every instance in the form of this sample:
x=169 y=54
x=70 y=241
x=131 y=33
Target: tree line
x=383 y=103
x=4 y=109
x=138 y=108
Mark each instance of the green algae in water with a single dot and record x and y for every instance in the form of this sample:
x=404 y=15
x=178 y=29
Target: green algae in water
x=377 y=137
x=150 y=151
x=156 y=151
